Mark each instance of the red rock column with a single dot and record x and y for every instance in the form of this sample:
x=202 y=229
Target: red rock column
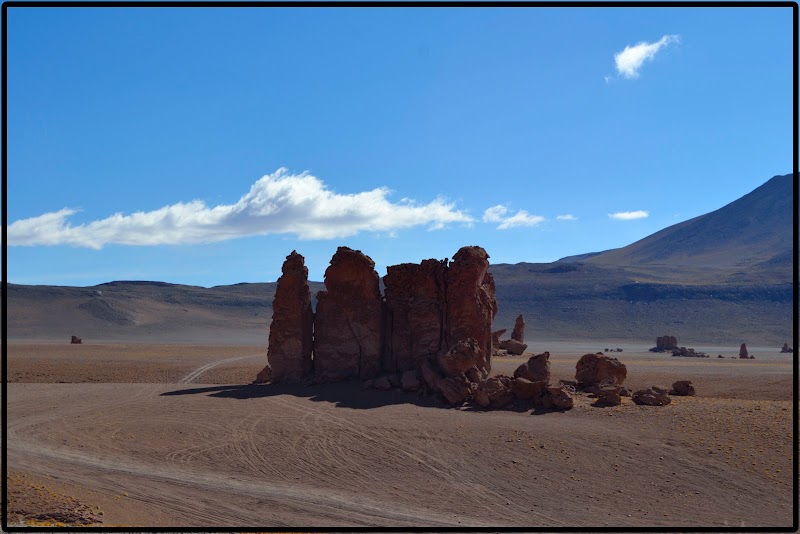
x=290 y=335
x=471 y=302
x=347 y=324
x=415 y=302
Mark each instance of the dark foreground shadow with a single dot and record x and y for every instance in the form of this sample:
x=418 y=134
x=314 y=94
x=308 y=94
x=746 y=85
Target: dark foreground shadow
x=349 y=394
x=341 y=394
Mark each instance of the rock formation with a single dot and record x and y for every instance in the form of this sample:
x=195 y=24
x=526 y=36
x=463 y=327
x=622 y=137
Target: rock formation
x=652 y=396
x=460 y=357
x=415 y=312
x=688 y=353
x=665 y=343
x=76 y=340
x=264 y=376
x=683 y=388
x=743 y=352
x=347 y=326
x=536 y=369
x=431 y=333
x=518 y=334
x=593 y=369
x=471 y=302
x=786 y=348
x=290 y=335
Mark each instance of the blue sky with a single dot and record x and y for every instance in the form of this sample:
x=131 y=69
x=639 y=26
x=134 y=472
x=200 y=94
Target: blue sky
x=203 y=145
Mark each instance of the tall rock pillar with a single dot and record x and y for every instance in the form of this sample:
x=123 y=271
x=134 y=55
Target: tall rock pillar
x=347 y=326
x=290 y=335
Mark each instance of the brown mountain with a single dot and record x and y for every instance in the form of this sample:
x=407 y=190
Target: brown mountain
x=753 y=233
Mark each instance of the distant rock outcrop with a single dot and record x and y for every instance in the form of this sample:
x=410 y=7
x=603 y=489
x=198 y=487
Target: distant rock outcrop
x=290 y=335
x=512 y=346
x=688 y=353
x=743 y=352
x=347 y=325
x=518 y=334
x=786 y=348
x=665 y=343
x=594 y=369
x=76 y=340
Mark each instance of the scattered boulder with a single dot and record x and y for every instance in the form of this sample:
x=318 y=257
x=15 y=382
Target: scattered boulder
x=409 y=381
x=651 y=396
x=518 y=334
x=264 y=376
x=608 y=396
x=347 y=326
x=536 y=369
x=683 y=388
x=743 y=352
x=430 y=376
x=382 y=383
x=460 y=357
x=524 y=389
x=720 y=356
x=512 y=346
x=596 y=368
x=456 y=389
x=291 y=332
x=559 y=397
x=624 y=392
x=76 y=340
x=784 y=349
x=494 y=393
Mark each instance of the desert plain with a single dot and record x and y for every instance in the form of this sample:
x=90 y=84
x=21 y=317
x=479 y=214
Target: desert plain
x=174 y=435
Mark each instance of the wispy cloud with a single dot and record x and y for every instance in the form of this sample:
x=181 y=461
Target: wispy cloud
x=279 y=203
x=629 y=215
x=499 y=214
x=567 y=217
x=630 y=60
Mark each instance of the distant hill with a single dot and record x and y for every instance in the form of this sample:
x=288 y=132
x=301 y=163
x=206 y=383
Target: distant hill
x=751 y=233
x=724 y=277
x=721 y=277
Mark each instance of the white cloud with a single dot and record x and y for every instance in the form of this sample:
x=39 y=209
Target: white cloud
x=279 y=203
x=567 y=217
x=630 y=60
x=495 y=213
x=629 y=215
x=521 y=218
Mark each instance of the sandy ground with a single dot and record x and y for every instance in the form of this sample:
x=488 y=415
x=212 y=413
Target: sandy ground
x=172 y=435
